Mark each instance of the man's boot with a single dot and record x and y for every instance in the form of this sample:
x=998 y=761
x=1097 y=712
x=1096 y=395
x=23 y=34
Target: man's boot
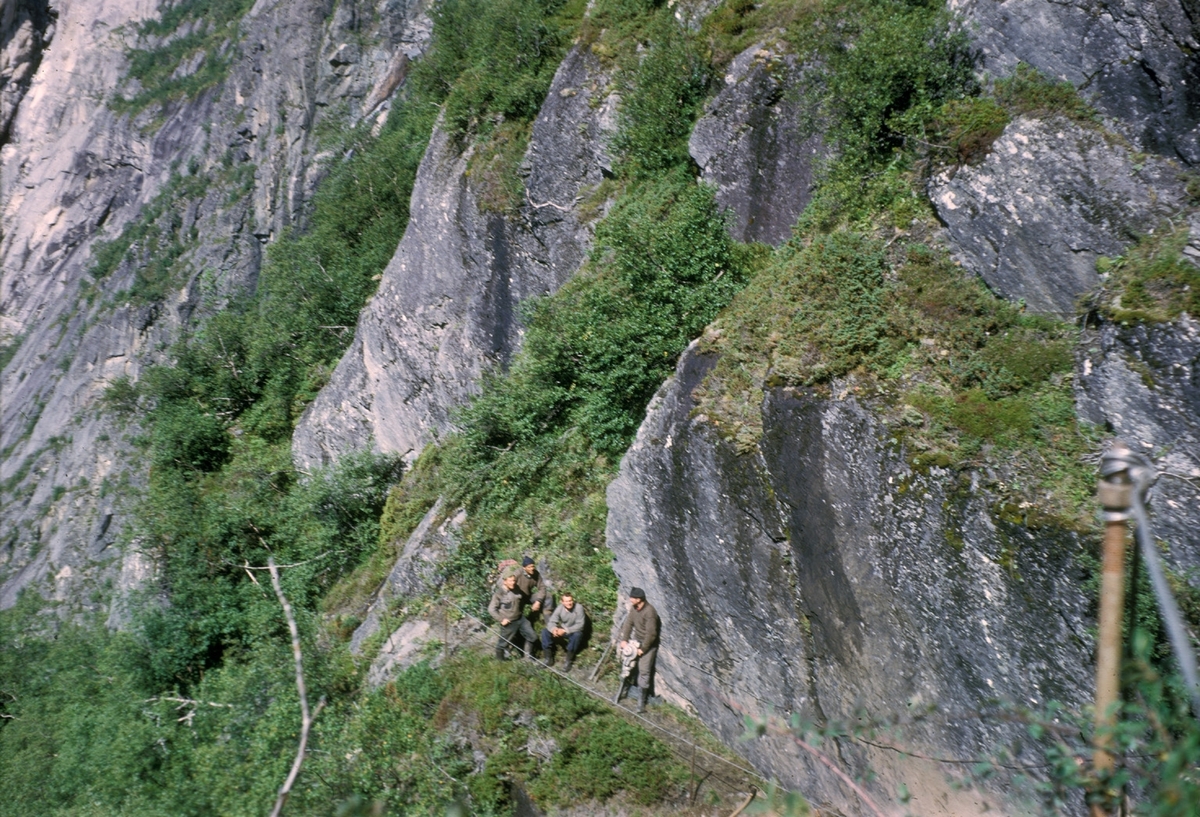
x=621 y=689
x=548 y=657
x=570 y=660
x=641 y=696
x=500 y=654
x=528 y=650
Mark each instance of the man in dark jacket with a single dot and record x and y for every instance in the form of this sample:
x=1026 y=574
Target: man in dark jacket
x=529 y=584
x=508 y=608
x=642 y=624
x=564 y=627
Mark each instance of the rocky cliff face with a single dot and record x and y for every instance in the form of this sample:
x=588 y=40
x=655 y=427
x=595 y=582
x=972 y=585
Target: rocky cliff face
x=27 y=28
x=76 y=172
x=1135 y=61
x=868 y=584
x=1053 y=195
x=447 y=307
x=756 y=143
x=1143 y=384
x=879 y=589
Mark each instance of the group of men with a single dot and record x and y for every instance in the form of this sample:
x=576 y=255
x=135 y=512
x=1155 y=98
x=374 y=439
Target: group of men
x=565 y=626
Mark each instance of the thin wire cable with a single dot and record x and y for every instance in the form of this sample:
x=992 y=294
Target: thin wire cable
x=1166 y=600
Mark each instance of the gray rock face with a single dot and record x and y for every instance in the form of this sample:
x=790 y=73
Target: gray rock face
x=1142 y=383
x=1049 y=199
x=418 y=569
x=26 y=29
x=820 y=574
x=1136 y=61
x=446 y=309
x=755 y=144
x=74 y=173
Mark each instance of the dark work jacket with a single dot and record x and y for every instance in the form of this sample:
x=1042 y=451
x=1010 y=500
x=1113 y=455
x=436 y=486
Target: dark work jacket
x=643 y=625
x=507 y=604
x=531 y=587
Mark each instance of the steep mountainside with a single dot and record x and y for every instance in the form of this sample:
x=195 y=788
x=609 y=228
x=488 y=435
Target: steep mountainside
x=810 y=319
x=187 y=189
x=449 y=303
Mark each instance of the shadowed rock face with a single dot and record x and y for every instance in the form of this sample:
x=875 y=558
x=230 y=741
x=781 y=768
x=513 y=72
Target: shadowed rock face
x=755 y=144
x=1050 y=198
x=1135 y=61
x=418 y=569
x=26 y=29
x=74 y=173
x=446 y=309
x=1142 y=384
x=820 y=573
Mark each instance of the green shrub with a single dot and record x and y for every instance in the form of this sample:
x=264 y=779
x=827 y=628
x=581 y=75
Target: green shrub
x=887 y=70
x=600 y=756
x=1029 y=91
x=214 y=25
x=495 y=58
x=596 y=352
x=983 y=375
x=883 y=70
x=1153 y=281
x=187 y=437
x=966 y=128
x=661 y=95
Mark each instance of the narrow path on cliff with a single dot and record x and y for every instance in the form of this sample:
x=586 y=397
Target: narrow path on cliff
x=720 y=783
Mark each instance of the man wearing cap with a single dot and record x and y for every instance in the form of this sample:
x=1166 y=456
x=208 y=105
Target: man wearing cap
x=642 y=623
x=508 y=608
x=529 y=585
x=564 y=627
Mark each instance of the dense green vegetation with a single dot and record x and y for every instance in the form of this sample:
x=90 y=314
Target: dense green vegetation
x=1152 y=281
x=173 y=65
x=85 y=736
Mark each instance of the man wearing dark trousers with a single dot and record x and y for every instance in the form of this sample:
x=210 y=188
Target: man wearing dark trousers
x=564 y=627
x=508 y=608
x=642 y=624
x=529 y=584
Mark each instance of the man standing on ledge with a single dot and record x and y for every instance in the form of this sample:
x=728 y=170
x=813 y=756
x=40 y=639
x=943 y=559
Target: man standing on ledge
x=642 y=623
x=529 y=584
x=508 y=608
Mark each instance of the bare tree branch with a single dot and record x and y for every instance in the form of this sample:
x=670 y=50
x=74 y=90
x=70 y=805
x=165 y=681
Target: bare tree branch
x=184 y=701
x=306 y=719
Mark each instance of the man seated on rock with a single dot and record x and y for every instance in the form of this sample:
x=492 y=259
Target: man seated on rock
x=508 y=608
x=643 y=624
x=564 y=627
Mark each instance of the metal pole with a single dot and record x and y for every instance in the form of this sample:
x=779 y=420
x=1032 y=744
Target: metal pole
x=607 y=650
x=1115 y=491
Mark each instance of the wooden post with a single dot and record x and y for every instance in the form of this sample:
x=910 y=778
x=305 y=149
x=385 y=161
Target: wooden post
x=1108 y=650
x=1115 y=492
